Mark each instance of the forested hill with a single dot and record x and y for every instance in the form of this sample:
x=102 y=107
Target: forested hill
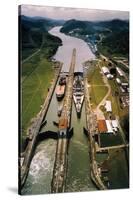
x=112 y=36
x=34 y=34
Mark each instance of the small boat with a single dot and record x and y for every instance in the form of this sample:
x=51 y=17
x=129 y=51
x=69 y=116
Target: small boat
x=78 y=93
x=61 y=87
x=60 y=92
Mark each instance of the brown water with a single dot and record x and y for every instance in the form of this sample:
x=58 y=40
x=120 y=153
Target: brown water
x=64 y=53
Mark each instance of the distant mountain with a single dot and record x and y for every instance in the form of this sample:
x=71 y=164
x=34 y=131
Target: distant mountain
x=93 y=27
x=73 y=24
x=114 y=25
x=34 y=33
x=48 y=23
x=114 y=34
x=57 y=22
x=117 y=41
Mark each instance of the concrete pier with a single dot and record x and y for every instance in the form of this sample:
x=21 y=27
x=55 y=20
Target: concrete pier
x=34 y=131
x=91 y=129
x=60 y=166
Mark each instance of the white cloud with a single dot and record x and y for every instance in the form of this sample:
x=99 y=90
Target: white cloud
x=72 y=13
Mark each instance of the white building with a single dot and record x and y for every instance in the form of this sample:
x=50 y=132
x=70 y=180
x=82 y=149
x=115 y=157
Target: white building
x=124 y=85
x=120 y=72
x=115 y=125
x=105 y=70
x=118 y=80
x=109 y=127
x=109 y=76
x=122 y=89
x=108 y=106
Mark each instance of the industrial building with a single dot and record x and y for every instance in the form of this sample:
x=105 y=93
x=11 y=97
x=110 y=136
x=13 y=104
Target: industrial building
x=105 y=70
x=102 y=128
x=109 y=127
x=108 y=106
x=110 y=76
x=118 y=81
x=122 y=89
x=125 y=85
x=115 y=125
x=120 y=72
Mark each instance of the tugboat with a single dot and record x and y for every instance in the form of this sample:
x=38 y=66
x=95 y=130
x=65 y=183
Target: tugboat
x=61 y=87
x=78 y=93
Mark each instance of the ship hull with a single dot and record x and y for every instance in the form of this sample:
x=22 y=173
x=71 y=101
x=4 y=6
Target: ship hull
x=78 y=104
x=78 y=94
x=59 y=97
x=60 y=89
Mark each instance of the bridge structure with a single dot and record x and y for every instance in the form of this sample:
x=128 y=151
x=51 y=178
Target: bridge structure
x=60 y=166
x=102 y=149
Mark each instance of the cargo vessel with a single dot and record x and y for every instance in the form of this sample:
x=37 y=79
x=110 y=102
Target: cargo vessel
x=61 y=87
x=78 y=94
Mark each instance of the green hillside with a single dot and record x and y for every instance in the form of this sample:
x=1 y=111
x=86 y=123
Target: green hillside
x=36 y=71
x=111 y=37
x=34 y=35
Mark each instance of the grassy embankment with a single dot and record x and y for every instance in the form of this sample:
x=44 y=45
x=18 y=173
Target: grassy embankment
x=37 y=74
x=105 y=51
x=98 y=88
x=37 y=78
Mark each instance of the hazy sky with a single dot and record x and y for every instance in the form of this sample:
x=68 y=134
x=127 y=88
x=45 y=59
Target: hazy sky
x=72 y=13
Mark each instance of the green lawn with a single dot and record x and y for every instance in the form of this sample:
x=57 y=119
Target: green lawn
x=98 y=88
x=97 y=94
x=96 y=77
x=34 y=88
x=28 y=52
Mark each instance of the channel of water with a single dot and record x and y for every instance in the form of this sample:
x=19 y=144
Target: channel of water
x=41 y=168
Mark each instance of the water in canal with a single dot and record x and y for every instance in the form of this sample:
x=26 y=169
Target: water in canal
x=41 y=168
x=64 y=53
x=78 y=174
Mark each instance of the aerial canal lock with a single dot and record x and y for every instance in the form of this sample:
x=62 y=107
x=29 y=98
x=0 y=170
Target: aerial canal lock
x=33 y=131
x=73 y=88
x=60 y=166
x=77 y=105
x=63 y=135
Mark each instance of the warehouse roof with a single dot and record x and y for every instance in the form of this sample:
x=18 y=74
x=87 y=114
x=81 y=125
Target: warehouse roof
x=110 y=76
x=102 y=126
x=114 y=123
x=108 y=106
x=119 y=71
x=109 y=127
x=105 y=70
x=118 y=80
